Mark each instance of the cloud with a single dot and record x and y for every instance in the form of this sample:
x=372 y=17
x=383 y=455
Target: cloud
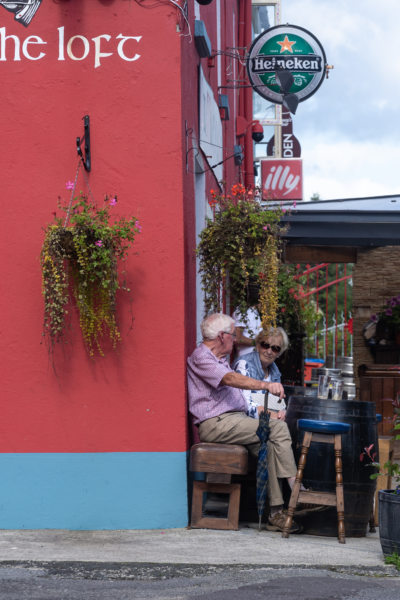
x=346 y=169
x=349 y=128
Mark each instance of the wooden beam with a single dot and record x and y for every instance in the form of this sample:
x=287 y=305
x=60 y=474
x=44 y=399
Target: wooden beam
x=317 y=254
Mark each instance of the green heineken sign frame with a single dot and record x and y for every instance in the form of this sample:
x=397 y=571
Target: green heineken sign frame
x=286 y=48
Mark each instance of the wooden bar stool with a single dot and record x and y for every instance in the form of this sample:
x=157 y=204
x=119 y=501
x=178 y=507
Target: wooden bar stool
x=219 y=462
x=326 y=432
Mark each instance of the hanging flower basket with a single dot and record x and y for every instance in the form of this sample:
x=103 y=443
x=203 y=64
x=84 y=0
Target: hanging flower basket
x=80 y=255
x=240 y=249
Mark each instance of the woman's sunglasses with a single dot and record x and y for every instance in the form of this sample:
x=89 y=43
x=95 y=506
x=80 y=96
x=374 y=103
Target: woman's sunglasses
x=266 y=346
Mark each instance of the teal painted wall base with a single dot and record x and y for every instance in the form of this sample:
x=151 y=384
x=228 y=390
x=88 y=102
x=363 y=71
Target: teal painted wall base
x=121 y=490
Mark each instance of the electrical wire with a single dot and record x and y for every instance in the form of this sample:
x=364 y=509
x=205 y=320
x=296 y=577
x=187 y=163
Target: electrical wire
x=183 y=11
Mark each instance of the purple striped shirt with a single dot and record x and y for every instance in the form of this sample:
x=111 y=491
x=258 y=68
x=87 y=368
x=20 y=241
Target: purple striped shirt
x=207 y=398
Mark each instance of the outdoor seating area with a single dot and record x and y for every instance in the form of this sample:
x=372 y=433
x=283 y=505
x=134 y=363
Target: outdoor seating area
x=327 y=436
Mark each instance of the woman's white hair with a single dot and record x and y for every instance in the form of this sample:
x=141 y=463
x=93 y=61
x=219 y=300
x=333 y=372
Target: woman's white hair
x=213 y=324
x=274 y=332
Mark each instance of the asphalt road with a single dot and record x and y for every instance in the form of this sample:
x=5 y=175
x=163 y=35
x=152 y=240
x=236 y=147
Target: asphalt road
x=144 y=581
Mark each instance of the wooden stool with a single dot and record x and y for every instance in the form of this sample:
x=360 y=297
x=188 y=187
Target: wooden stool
x=326 y=432
x=219 y=462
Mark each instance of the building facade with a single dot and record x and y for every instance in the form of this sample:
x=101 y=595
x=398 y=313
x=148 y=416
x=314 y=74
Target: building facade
x=102 y=443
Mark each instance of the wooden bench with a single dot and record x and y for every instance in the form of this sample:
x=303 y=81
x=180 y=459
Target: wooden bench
x=219 y=462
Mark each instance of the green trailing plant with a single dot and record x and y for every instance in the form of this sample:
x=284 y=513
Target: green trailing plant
x=240 y=247
x=81 y=254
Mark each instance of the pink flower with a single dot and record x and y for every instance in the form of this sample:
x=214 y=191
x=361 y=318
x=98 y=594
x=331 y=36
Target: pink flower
x=69 y=185
x=113 y=201
x=138 y=226
x=266 y=227
x=99 y=243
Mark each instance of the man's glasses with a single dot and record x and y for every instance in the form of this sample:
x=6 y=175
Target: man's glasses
x=266 y=346
x=230 y=333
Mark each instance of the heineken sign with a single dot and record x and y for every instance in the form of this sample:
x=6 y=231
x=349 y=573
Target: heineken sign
x=286 y=48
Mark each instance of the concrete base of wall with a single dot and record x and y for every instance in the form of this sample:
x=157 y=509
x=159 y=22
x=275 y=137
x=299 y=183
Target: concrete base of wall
x=121 y=490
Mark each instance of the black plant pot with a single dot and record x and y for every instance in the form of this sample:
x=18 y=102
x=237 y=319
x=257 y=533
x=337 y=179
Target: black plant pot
x=389 y=521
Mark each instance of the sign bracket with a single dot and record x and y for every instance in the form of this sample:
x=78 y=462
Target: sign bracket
x=86 y=159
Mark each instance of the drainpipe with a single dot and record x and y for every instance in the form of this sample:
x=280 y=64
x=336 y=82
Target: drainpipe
x=246 y=93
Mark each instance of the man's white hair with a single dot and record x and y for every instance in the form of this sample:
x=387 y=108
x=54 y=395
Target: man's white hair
x=213 y=324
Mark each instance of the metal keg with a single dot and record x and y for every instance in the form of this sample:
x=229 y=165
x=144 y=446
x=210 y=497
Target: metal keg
x=350 y=388
x=345 y=363
x=335 y=373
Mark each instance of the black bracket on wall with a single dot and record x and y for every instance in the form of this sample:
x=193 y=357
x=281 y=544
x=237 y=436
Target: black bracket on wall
x=87 y=163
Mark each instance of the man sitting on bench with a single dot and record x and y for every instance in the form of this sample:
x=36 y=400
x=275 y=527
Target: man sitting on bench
x=219 y=409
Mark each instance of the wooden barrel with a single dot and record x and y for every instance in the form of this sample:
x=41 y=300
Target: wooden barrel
x=319 y=473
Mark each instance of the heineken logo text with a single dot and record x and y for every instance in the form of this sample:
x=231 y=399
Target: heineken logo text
x=269 y=64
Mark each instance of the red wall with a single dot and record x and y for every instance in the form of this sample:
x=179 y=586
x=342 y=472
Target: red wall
x=134 y=398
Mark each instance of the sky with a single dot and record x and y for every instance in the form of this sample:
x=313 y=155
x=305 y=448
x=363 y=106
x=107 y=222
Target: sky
x=349 y=130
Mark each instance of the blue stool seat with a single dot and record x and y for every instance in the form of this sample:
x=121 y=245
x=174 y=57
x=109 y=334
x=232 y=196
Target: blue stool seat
x=323 y=426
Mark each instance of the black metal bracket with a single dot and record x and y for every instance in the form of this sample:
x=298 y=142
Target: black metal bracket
x=87 y=163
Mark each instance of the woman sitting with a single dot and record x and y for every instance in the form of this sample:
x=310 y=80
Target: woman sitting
x=260 y=364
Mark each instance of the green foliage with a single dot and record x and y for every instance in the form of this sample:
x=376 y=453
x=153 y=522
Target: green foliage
x=296 y=314
x=390 y=468
x=240 y=246
x=84 y=254
x=393 y=559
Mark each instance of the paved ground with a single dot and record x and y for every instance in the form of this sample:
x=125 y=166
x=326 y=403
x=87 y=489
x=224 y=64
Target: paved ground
x=191 y=564
x=190 y=546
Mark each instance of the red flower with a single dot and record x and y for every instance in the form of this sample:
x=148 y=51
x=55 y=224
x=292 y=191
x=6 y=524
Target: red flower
x=349 y=326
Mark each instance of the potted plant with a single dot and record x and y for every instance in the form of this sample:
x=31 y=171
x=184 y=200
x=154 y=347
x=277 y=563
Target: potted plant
x=388 y=321
x=79 y=257
x=389 y=500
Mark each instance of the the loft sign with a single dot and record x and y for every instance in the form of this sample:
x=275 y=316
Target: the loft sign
x=290 y=48
x=76 y=48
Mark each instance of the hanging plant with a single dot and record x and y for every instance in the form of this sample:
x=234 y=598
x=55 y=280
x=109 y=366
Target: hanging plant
x=81 y=254
x=239 y=248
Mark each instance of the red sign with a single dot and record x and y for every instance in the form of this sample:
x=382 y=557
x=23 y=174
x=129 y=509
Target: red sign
x=282 y=179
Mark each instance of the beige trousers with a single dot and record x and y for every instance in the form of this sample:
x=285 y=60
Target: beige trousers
x=238 y=428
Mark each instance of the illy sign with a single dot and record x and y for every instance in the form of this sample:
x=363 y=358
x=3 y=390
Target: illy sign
x=282 y=179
